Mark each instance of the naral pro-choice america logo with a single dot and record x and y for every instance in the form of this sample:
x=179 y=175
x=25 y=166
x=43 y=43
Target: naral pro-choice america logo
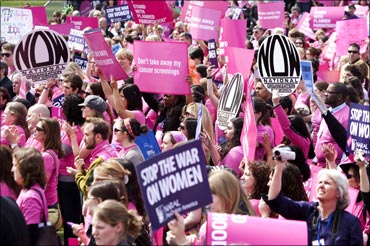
x=279 y=64
x=41 y=54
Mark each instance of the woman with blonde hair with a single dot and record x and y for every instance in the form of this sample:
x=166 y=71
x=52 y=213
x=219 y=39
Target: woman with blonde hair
x=76 y=70
x=125 y=58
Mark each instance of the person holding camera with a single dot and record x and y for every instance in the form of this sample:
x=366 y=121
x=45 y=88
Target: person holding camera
x=328 y=223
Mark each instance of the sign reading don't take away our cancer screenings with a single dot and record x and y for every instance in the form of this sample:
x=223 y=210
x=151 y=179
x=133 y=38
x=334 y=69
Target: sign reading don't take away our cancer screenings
x=41 y=54
x=174 y=180
x=279 y=64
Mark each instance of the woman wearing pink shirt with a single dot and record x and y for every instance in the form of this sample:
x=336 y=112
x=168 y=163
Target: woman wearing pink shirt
x=8 y=186
x=13 y=121
x=48 y=133
x=29 y=172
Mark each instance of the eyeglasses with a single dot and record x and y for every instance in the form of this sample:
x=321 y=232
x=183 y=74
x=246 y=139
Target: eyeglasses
x=116 y=130
x=353 y=51
x=39 y=129
x=5 y=54
x=87 y=93
x=349 y=176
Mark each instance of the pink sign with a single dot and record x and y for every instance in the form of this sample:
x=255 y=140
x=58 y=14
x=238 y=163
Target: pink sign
x=103 y=56
x=239 y=61
x=279 y=134
x=232 y=34
x=81 y=22
x=150 y=12
x=310 y=184
x=353 y=193
x=328 y=76
x=330 y=48
x=325 y=17
x=159 y=70
x=186 y=12
x=61 y=28
x=351 y=31
x=248 y=137
x=85 y=7
x=236 y=229
x=361 y=11
x=204 y=23
x=304 y=26
x=271 y=14
x=39 y=16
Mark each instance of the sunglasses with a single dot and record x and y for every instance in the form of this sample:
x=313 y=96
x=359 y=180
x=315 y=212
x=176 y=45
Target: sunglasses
x=349 y=176
x=5 y=54
x=39 y=129
x=182 y=127
x=116 y=130
x=353 y=51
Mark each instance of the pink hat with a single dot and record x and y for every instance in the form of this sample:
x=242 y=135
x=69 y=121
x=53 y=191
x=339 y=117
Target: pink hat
x=178 y=136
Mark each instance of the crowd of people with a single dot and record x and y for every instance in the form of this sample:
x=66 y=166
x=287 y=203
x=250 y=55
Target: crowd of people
x=76 y=166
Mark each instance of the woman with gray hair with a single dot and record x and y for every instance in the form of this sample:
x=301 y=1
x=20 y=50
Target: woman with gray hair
x=327 y=221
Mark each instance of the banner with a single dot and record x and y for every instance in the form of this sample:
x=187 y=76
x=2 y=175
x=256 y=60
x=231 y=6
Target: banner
x=307 y=75
x=304 y=26
x=248 y=137
x=237 y=229
x=63 y=29
x=186 y=11
x=212 y=53
x=325 y=17
x=230 y=100
x=118 y=13
x=204 y=23
x=81 y=22
x=359 y=129
x=232 y=34
x=351 y=31
x=148 y=144
x=174 y=180
x=103 y=56
x=41 y=54
x=239 y=60
x=76 y=40
x=39 y=15
x=150 y=12
x=158 y=70
x=271 y=14
x=279 y=64
x=15 y=23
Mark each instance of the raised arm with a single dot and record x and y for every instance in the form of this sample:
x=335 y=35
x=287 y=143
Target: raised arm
x=275 y=186
x=210 y=92
x=118 y=104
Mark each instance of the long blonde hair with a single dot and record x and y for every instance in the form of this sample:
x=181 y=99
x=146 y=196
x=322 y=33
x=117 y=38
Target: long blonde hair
x=207 y=125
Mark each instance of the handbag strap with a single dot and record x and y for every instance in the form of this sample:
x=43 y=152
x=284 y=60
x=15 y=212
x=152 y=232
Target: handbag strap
x=43 y=205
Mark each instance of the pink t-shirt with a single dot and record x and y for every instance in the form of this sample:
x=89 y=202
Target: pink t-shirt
x=32 y=205
x=5 y=190
x=233 y=159
x=68 y=161
x=21 y=133
x=51 y=169
x=211 y=109
x=33 y=142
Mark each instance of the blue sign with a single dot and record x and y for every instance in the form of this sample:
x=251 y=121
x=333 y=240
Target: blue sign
x=118 y=13
x=116 y=48
x=174 y=180
x=82 y=62
x=212 y=54
x=358 y=134
x=148 y=144
x=307 y=75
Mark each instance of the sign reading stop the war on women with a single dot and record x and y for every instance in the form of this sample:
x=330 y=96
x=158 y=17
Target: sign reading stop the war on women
x=158 y=70
x=359 y=129
x=229 y=229
x=41 y=54
x=118 y=13
x=174 y=180
x=103 y=56
x=279 y=64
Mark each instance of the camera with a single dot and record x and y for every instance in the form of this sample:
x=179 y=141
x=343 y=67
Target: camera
x=283 y=154
x=359 y=155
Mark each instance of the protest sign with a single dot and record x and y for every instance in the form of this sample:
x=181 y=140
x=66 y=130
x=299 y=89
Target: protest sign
x=56 y=109
x=279 y=64
x=174 y=180
x=148 y=144
x=307 y=75
x=81 y=62
x=359 y=129
x=351 y=31
x=118 y=13
x=232 y=34
x=150 y=12
x=230 y=100
x=41 y=54
x=303 y=26
x=81 y=22
x=85 y=7
x=76 y=40
x=39 y=15
x=204 y=23
x=103 y=56
x=63 y=29
x=330 y=48
x=186 y=11
x=230 y=229
x=158 y=70
x=248 y=137
x=212 y=53
x=239 y=60
x=310 y=184
x=15 y=23
x=271 y=14
x=361 y=11
x=116 y=48
x=325 y=17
